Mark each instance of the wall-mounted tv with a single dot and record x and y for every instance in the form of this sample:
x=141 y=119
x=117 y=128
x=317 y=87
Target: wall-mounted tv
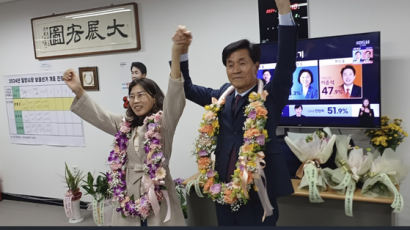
x=336 y=82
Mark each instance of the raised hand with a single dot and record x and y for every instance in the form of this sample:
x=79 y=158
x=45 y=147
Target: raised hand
x=283 y=6
x=182 y=39
x=73 y=82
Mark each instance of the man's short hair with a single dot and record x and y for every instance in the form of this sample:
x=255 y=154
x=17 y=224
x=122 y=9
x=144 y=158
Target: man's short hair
x=140 y=66
x=347 y=67
x=253 y=49
x=297 y=106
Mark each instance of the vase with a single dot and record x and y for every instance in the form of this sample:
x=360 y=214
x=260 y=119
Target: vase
x=76 y=212
x=72 y=208
x=102 y=212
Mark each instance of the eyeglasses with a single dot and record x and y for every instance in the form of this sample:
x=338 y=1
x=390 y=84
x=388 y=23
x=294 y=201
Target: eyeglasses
x=139 y=96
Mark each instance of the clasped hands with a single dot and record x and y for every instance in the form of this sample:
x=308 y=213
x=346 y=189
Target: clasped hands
x=182 y=39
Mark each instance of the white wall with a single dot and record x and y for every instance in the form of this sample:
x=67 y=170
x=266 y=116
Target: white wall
x=333 y=17
x=38 y=170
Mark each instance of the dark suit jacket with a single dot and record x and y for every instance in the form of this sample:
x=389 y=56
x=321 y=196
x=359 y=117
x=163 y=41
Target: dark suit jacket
x=356 y=90
x=231 y=132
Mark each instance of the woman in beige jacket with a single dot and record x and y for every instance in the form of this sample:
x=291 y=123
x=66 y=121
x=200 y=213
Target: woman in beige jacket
x=140 y=179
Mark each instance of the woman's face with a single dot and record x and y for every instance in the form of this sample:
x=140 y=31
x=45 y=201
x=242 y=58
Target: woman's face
x=266 y=76
x=140 y=101
x=136 y=73
x=366 y=103
x=305 y=79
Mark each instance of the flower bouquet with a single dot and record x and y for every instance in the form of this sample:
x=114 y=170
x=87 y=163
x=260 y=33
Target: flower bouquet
x=73 y=195
x=390 y=135
x=385 y=174
x=99 y=190
x=352 y=165
x=312 y=150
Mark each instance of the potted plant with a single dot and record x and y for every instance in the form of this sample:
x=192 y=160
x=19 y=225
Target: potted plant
x=99 y=190
x=73 y=195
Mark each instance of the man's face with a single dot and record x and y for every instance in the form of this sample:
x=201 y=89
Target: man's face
x=348 y=77
x=367 y=55
x=298 y=111
x=241 y=70
x=266 y=76
x=136 y=73
x=358 y=55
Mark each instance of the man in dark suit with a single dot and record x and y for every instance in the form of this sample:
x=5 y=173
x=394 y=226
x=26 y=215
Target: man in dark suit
x=241 y=59
x=348 y=74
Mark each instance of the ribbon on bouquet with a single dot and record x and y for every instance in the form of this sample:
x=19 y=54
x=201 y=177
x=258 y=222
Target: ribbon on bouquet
x=259 y=180
x=397 y=203
x=68 y=207
x=349 y=183
x=311 y=172
x=98 y=210
x=149 y=186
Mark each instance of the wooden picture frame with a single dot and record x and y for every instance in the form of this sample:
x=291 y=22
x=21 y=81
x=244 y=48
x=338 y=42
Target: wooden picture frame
x=89 y=78
x=94 y=31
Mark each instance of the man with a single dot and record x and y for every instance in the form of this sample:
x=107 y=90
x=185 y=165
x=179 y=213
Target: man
x=298 y=111
x=367 y=56
x=349 y=89
x=241 y=59
x=357 y=56
x=138 y=70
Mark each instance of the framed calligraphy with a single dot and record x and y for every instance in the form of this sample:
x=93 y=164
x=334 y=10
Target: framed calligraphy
x=89 y=78
x=94 y=31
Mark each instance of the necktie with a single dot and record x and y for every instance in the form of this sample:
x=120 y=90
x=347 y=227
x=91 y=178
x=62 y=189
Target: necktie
x=235 y=104
x=348 y=91
x=233 y=157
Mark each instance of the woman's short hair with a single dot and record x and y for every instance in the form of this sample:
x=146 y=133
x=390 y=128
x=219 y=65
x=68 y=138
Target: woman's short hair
x=307 y=71
x=154 y=91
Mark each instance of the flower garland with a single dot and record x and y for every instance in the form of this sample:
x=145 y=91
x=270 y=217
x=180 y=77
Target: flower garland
x=250 y=164
x=154 y=172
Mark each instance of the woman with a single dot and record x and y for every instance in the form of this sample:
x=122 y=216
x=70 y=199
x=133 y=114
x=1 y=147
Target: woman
x=366 y=114
x=143 y=143
x=306 y=79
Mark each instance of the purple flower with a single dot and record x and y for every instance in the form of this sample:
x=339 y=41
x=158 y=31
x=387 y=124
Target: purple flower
x=210 y=173
x=260 y=139
x=112 y=156
x=215 y=189
x=146 y=149
x=178 y=181
x=151 y=126
x=203 y=153
x=155 y=141
x=252 y=114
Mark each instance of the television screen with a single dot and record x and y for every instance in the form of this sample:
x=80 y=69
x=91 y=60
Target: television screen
x=336 y=82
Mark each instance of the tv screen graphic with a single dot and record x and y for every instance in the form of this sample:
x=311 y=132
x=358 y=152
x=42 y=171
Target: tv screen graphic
x=336 y=82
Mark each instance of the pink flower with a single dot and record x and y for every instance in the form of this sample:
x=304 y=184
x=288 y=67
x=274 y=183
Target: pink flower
x=115 y=166
x=125 y=129
x=157 y=117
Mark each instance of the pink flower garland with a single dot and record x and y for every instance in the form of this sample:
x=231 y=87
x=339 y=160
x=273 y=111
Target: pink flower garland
x=154 y=172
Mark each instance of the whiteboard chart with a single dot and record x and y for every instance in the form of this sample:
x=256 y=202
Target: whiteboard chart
x=38 y=110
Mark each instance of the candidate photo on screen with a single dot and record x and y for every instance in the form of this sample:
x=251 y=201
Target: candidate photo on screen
x=341 y=81
x=266 y=75
x=305 y=84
